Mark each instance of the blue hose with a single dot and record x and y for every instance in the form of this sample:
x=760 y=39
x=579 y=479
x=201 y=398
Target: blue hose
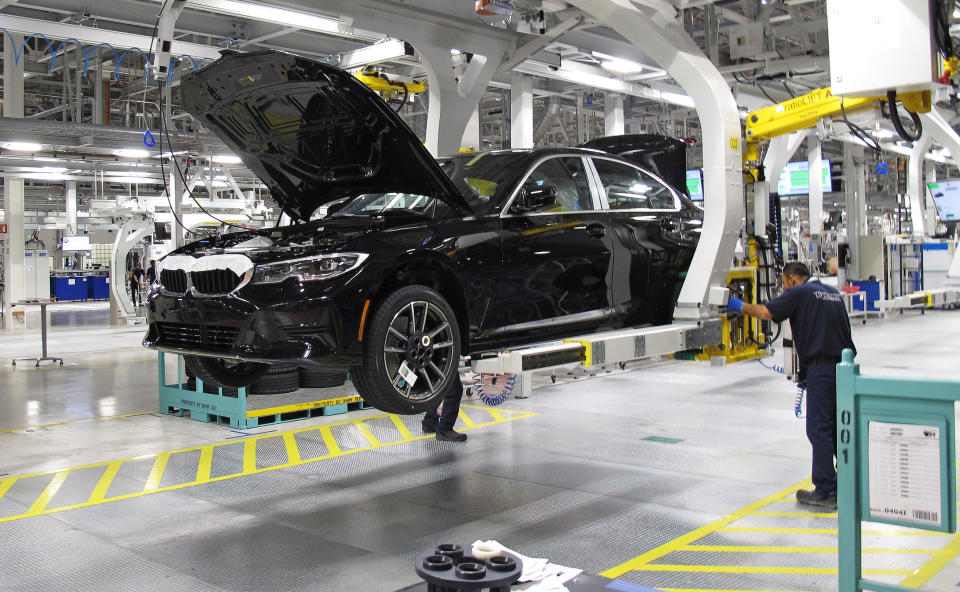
x=499 y=398
x=774 y=367
x=798 y=401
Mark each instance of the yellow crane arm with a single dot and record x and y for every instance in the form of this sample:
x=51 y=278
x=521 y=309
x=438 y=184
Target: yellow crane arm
x=395 y=87
x=804 y=111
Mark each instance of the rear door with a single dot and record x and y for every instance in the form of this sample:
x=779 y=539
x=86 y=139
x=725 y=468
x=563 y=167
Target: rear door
x=649 y=258
x=556 y=258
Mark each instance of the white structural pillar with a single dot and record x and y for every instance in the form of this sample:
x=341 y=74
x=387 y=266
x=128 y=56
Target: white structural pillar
x=13 y=188
x=854 y=187
x=72 y=208
x=521 y=111
x=915 y=188
x=471 y=134
x=454 y=97
x=177 y=195
x=655 y=31
x=930 y=210
x=815 y=204
x=779 y=151
x=613 y=114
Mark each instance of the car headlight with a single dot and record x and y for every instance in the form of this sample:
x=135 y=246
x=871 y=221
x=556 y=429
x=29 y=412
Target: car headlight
x=308 y=269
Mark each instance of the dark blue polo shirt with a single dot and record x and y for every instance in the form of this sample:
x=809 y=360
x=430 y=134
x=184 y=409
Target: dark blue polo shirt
x=818 y=320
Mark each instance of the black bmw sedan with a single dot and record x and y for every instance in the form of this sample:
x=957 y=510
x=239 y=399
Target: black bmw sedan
x=416 y=262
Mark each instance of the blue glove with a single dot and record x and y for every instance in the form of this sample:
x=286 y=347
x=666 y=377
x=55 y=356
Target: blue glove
x=734 y=304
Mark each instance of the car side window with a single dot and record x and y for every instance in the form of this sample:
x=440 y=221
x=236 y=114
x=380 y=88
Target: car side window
x=568 y=175
x=630 y=188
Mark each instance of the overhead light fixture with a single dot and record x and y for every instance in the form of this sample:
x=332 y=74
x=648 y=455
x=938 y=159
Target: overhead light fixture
x=271 y=14
x=620 y=66
x=132 y=153
x=226 y=159
x=883 y=133
x=23 y=146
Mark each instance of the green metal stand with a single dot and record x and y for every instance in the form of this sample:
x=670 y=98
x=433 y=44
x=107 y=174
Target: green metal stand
x=913 y=427
x=232 y=410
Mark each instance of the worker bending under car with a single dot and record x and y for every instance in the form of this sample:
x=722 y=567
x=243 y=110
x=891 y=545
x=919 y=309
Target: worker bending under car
x=821 y=331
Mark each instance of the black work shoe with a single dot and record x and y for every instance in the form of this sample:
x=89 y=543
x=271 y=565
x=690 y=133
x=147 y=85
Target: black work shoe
x=428 y=429
x=817 y=498
x=451 y=436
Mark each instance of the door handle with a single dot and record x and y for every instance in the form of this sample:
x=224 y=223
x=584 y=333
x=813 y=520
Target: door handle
x=596 y=231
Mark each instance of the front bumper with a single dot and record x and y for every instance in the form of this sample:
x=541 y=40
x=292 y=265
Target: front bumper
x=317 y=330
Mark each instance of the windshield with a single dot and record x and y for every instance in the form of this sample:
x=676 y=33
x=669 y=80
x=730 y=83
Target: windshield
x=484 y=178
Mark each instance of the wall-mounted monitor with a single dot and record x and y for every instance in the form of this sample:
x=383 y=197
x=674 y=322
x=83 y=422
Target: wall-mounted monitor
x=946 y=196
x=795 y=178
x=75 y=243
x=695 y=184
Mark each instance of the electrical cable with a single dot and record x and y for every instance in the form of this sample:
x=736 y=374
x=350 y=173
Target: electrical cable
x=858 y=131
x=163 y=172
x=898 y=125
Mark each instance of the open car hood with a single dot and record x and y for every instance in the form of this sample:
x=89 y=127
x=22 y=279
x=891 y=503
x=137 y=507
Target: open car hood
x=312 y=132
x=663 y=155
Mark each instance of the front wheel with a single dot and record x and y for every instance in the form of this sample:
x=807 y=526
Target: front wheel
x=411 y=352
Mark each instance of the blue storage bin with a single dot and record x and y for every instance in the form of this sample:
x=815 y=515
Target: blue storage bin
x=98 y=287
x=872 y=291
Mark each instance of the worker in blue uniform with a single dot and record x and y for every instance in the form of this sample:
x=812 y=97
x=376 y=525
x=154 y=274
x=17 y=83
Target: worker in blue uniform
x=821 y=331
x=442 y=422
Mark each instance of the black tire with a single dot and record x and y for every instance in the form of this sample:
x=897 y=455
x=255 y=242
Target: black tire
x=415 y=327
x=220 y=372
x=281 y=368
x=312 y=378
x=276 y=383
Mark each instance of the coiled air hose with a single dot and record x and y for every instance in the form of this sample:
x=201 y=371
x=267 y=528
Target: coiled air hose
x=798 y=401
x=493 y=400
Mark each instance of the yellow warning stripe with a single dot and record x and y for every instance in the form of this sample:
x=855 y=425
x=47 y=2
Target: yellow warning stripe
x=48 y=492
x=639 y=562
x=152 y=484
x=934 y=565
x=797 y=514
x=767 y=549
x=827 y=531
x=765 y=569
x=366 y=433
x=304 y=406
x=402 y=428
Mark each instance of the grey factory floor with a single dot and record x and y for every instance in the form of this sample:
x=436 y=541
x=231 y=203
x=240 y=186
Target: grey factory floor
x=670 y=475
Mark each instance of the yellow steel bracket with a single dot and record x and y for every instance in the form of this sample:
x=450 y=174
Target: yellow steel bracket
x=735 y=347
x=390 y=88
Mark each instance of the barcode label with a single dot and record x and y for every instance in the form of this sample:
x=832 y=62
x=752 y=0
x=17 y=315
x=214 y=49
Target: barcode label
x=927 y=516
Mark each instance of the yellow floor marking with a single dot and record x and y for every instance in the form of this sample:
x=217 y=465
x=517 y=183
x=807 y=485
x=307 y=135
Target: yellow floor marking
x=63 y=423
x=48 y=492
x=206 y=453
x=401 y=427
x=156 y=473
x=934 y=565
x=293 y=453
x=832 y=550
x=654 y=554
x=204 y=464
x=366 y=433
x=827 y=531
x=103 y=485
x=466 y=419
x=5 y=485
x=250 y=455
x=333 y=448
x=497 y=416
x=766 y=569
x=797 y=514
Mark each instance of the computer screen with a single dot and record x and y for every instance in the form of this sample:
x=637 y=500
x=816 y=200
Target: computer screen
x=946 y=196
x=795 y=179
x=75 y=243
x=695 y=184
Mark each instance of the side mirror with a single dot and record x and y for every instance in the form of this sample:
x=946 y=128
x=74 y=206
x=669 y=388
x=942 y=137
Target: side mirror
x=534 y=198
